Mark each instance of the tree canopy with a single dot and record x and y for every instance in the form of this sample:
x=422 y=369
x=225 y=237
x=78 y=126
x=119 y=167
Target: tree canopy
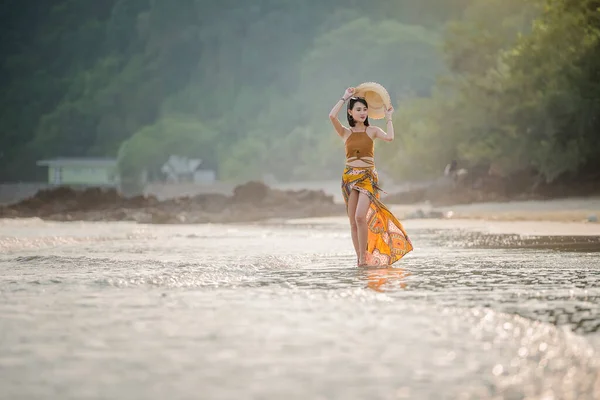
x=246 y=86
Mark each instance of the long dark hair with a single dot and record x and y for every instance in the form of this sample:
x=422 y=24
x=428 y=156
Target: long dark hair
x=351 y=103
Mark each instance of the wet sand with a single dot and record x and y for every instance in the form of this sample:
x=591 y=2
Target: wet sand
x=486 y=226
x=558 y=210
x=481 y=233
x=562 y=224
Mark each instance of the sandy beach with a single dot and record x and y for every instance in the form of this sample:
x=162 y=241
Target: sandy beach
x=560 y=217
x=558 y=210
x=552 y=225
x=318 y=204
x=569 y=209
x=492 y=227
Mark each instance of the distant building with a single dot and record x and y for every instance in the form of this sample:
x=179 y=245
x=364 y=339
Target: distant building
x=179 y=169
x=82 y=171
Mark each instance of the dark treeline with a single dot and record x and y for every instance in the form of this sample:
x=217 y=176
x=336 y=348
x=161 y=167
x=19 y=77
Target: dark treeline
x=246 y=85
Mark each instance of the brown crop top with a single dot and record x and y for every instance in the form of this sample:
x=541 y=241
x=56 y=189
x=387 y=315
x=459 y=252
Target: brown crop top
x=358 y=146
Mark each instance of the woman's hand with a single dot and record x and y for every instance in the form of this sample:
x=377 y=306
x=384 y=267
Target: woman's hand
x=349 y=93
x=389 y=112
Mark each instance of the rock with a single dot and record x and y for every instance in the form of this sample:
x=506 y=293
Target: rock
x=435 y=214
x=252 y=192
x=162 y=217
x=139 y=201
x=6 y=212
x=93 y=198
x=416 y=214
x=210 y=202
x=419 y=214
x=250 y=202
x=408 y=197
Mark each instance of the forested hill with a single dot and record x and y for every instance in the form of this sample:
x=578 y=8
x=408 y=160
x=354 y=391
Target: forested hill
x=247 y=85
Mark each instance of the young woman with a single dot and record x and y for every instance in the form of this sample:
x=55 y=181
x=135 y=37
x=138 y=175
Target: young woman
x=378 y=237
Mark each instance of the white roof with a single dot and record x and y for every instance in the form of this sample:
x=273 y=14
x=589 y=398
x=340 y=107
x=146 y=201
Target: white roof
x=80 y=161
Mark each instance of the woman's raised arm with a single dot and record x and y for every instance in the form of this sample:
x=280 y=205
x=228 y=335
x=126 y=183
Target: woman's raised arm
x=339 y=128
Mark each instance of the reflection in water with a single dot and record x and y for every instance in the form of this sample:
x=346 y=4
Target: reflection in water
x=391 y=278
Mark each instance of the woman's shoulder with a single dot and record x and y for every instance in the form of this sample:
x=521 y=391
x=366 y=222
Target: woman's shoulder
x=371 y=131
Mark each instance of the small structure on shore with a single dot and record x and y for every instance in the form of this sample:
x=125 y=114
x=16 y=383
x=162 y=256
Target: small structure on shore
x=179 y=169
x=82 y=171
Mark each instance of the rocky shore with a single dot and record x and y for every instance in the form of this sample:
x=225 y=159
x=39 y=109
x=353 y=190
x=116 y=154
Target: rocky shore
x=252 y=201
x=484 y=189
x=255 y=201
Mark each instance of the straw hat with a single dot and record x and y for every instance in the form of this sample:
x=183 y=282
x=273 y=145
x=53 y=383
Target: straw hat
x=377 y=98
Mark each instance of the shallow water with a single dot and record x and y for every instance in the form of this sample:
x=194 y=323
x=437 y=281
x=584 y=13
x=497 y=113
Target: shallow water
x=117 y=310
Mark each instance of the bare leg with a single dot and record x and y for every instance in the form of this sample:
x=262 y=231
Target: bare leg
x=361 y=226
x=352 y=202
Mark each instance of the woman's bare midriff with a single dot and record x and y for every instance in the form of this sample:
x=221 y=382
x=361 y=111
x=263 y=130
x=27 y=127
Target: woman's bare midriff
x=361 y=164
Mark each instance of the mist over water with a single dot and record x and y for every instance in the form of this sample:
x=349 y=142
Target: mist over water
x=115 y=310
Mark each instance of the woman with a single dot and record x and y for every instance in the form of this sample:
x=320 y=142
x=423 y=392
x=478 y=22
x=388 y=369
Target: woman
x=378 y=237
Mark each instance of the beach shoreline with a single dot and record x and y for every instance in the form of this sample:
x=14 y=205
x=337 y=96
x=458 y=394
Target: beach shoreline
x=256 y=202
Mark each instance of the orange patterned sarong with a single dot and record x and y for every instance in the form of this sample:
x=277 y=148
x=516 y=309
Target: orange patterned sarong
x=387 y=241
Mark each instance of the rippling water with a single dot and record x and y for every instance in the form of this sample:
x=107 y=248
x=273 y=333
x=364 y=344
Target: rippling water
x=106 y=311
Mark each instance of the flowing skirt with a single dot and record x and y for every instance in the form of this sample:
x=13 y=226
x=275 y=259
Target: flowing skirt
x=387 y=240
